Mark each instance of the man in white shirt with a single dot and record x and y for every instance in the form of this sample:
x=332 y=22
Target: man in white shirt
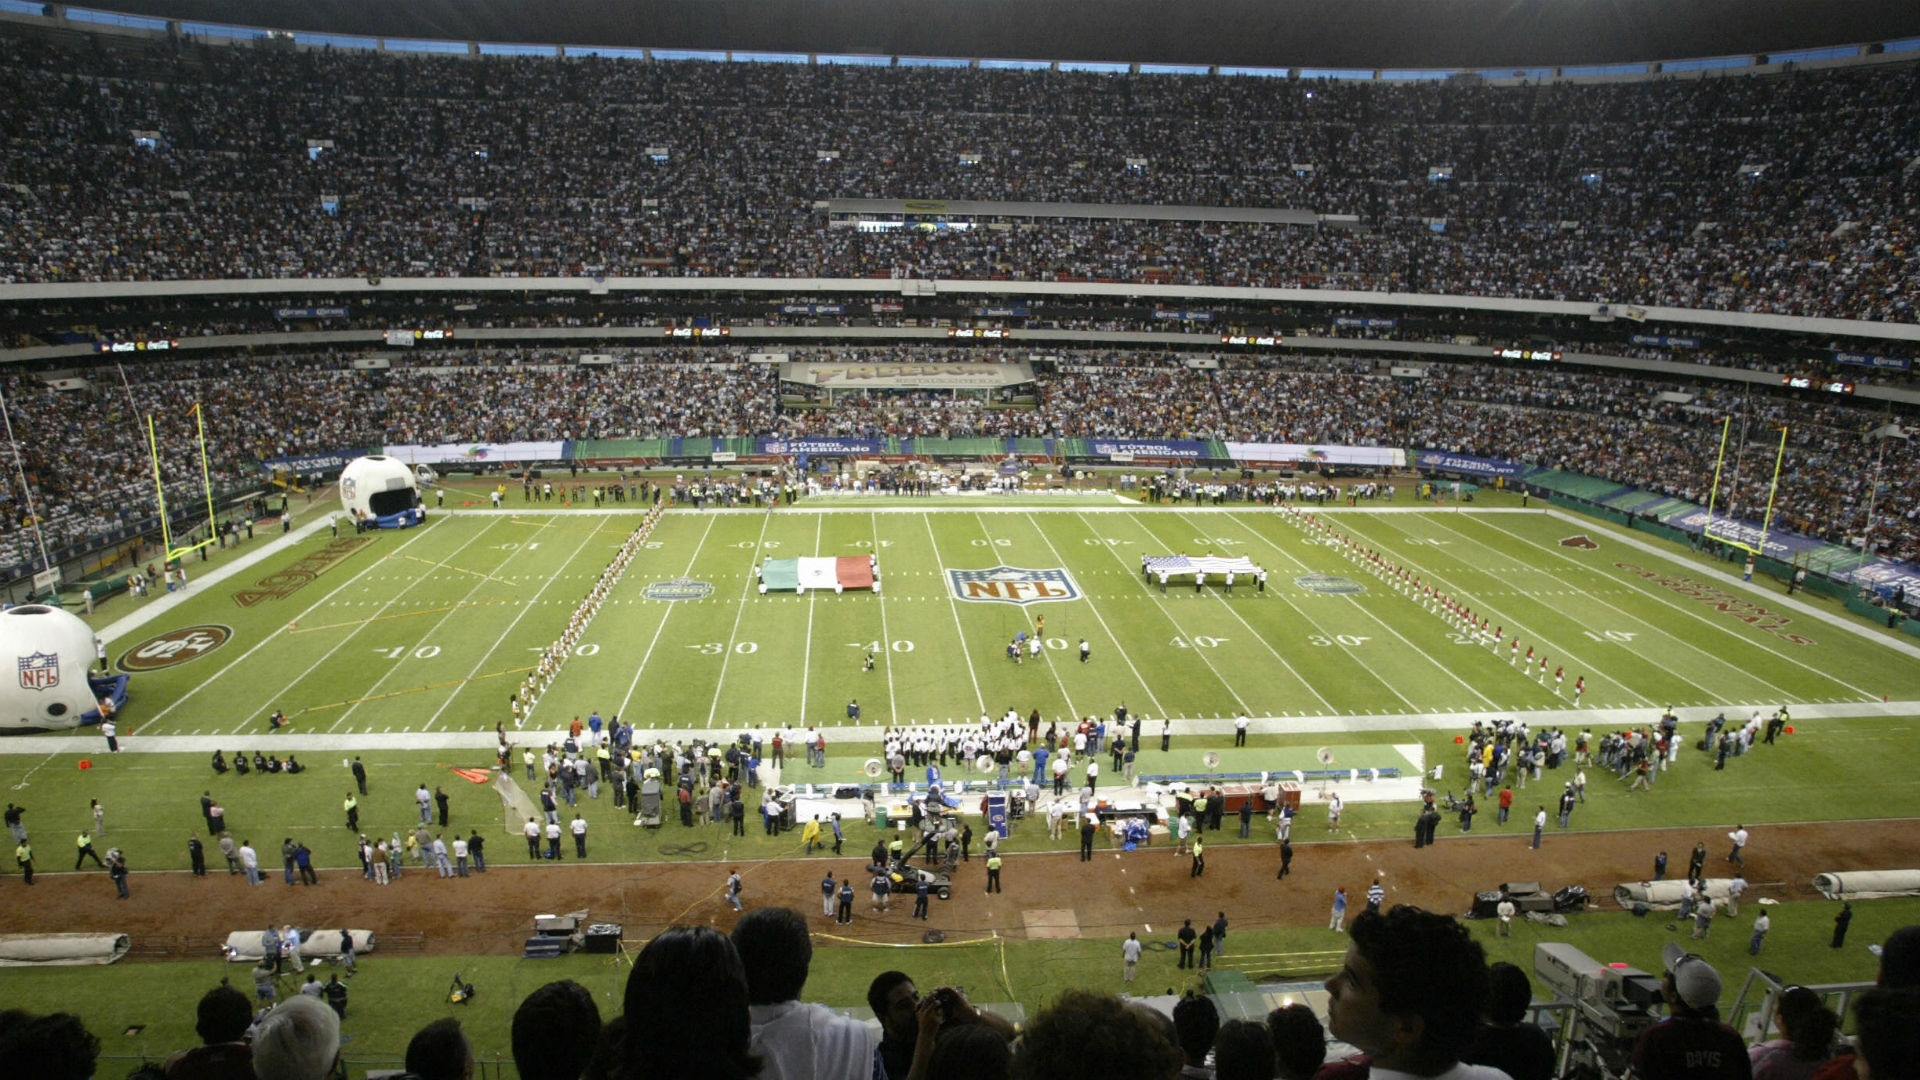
x=1130 y=957
x=795 y=1040
x=1505 y=910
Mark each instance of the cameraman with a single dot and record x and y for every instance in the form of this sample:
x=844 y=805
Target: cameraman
x=912 y=1026
x=1691 y=1043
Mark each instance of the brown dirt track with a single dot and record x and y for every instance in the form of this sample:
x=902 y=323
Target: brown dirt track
x=492 y=913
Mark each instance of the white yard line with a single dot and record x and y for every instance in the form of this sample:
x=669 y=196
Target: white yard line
x=1115 y=641
x=1692 y=614
x=1052 y=668
x=264 y=642
x=1732 y=581
x=395 y=666
x=886 y=639
x=638 y=671
x=1363 y=609
x=1431 y=575
x=1196 y=650
x=726 y=657
x=524 y=608
x=806 y=657
x=940 y=568
x=1741 y=673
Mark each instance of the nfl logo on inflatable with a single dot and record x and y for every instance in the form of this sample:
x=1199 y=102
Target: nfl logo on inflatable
x=40 y=671
x=1013 y=585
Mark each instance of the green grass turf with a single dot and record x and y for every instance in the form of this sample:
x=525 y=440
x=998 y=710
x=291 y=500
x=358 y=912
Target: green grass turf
x=431 y=630
x=428 y=631
x=152 y=800
x=394 y=996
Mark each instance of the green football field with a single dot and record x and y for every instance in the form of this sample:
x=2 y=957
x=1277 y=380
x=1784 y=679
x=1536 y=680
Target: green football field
x=432 y=630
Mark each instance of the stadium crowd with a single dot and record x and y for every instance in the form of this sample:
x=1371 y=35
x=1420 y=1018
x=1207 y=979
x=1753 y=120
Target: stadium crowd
x=1415 y=997
x=1781 y=194
x=88 y=460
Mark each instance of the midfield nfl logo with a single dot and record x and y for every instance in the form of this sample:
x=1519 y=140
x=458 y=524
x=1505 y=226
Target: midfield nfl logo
x=1012 y=585
x=41 y=671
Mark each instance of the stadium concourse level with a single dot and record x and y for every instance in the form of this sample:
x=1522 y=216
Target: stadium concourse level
x=89 y=474
x=88 y=319
x=1788 y=194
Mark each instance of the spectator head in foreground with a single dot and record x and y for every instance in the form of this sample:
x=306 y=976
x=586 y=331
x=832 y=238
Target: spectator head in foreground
x=1888 y=1023
x=686 y=1010
x=777 y=951
x=1806 y=1022
x=1089 y=1036
x=1299 y=1042
x=440 y=1051
x=1196 y=1021
x=223 y=1016
x=298 y=1040
x=1900 y=959
x=1243 y=1050
x=53 y=1047
x=555 y=1031
x=1691 y=985
x=1410 y=992
x=970 y=1052
x=895 y=1002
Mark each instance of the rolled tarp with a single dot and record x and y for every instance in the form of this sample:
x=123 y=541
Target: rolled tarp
x=314 y=944
x=61 y=950
x=1867 y=884
x=1664 y=895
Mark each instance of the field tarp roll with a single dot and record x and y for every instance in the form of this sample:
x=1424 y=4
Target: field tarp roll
x=63 y=950
x=1665 y=895
x=314 y=944
x=1867 y=884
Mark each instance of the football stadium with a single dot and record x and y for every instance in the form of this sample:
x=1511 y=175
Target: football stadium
x=839 y=541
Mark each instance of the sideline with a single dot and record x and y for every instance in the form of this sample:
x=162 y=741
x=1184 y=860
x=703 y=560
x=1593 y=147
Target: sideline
x=1185 y=726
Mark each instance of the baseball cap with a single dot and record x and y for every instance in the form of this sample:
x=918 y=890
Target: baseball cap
x=1696 y=981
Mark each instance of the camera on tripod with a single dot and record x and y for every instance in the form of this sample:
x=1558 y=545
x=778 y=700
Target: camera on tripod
x=1612 y=1005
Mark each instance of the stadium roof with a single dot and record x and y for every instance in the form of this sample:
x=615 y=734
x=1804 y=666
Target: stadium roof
x=1290 y=33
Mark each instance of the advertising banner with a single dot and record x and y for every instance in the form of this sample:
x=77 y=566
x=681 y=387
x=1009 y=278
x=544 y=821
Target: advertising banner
x=819 y=446
x=1873 y=360
x=1375 y=456
x=970 y=375
x=478 y=453
x=325 y=461
x=1445 y=461
x=1132 y=449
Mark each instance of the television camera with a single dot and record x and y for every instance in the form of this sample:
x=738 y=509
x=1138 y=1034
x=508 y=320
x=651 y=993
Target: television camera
x=1612 y=1004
